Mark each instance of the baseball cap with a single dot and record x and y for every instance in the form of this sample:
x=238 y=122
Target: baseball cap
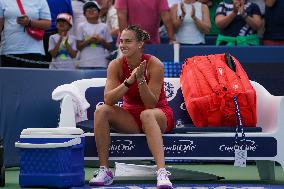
x=65 y=16
x=91 y=4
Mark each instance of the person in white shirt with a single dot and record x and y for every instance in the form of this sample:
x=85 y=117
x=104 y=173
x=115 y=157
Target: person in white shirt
x=93 y=39
x=62 y=45
x=109 y=16
x=191 y=22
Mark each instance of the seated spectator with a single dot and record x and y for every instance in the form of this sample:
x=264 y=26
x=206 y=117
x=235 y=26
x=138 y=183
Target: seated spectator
x=109 y=16
x=238 y=22
x=62 y=45
x=274 y=23
x=191 y=21
x=18 y=48
x=93 y=38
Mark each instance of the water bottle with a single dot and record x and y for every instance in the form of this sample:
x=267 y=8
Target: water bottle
x=179 y=123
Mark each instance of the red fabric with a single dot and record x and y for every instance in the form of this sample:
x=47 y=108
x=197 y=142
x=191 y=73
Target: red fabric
x=36 y=33
x=145 y=14
x=133 y=103
x=208 y=87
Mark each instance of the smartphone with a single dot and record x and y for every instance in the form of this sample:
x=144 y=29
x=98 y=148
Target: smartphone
x=20 y=17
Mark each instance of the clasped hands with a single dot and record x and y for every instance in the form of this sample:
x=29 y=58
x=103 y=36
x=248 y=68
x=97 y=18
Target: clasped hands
x=63 y=37
x=95 y=39
x=239 y=7
x=137 y=74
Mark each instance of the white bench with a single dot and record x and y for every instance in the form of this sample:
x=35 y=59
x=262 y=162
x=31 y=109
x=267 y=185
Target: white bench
x=263 y=147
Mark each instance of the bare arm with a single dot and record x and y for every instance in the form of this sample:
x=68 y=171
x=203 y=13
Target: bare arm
x=41 y=23
x=203 y=25
x=167 y=20
x=150 y=93
x=122 y=19
x=269 y=3
x=105 y=44
x=70 y=50
x=177 y=21
x=114 y=90
x=53 y=52
x=254 y=21
x=81 y=44
x=223 y=21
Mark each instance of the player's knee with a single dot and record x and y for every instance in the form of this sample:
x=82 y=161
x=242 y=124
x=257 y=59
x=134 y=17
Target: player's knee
x=146 y=115
x=103 y=111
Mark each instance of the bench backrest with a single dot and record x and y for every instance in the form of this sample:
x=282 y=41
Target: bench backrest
x=94 y=96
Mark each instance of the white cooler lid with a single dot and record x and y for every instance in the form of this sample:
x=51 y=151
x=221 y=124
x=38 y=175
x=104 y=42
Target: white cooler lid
x=53 y=131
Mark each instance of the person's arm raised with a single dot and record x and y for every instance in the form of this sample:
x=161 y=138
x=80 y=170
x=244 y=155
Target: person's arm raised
x=150 y=93
x=114 y=89
x=203 y=25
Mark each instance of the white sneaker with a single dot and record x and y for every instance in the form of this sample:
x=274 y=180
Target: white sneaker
x=162 y=179
x=102 y=177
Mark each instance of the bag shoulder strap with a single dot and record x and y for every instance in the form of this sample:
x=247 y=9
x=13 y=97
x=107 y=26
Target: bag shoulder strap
x=21 y=7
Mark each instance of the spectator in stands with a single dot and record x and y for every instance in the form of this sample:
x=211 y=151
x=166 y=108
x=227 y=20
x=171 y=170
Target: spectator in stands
x=78 y=15
x=109 y=16
x=238 y=22
x=261 y=6
x=146 y=14
x=212 y=5
x=274 y=23
x=93 y=38
x=191 y=21
x=18 y=48
x=56 y=7
x=62 y=45
x=138 y=79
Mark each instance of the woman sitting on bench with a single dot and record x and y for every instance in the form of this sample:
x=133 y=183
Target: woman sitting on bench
x=138 y=78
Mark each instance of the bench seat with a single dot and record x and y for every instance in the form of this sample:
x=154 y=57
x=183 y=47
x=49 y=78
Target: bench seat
x=263 y=143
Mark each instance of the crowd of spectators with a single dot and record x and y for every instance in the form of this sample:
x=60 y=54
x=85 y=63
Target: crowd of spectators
x=88 y=37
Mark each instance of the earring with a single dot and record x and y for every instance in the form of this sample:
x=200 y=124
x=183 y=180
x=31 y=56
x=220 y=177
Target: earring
x=139 y=47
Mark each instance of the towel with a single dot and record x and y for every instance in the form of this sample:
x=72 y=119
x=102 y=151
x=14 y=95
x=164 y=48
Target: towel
x=80 y=103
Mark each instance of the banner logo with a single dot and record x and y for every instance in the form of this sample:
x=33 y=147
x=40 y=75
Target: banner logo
x=250 y=146
x=121 y=146
x=180 y=147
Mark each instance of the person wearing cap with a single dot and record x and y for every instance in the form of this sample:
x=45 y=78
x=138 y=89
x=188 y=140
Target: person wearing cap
x=62 y=45
x=56 y=7
x=93 y=38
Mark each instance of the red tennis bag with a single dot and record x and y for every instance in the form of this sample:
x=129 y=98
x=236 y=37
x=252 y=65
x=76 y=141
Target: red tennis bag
x=209 y=84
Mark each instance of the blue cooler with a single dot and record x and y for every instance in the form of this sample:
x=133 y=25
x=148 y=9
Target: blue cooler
x=51 y=157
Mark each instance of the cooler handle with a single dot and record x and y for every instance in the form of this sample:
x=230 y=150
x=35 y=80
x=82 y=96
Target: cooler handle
x=69 y=143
